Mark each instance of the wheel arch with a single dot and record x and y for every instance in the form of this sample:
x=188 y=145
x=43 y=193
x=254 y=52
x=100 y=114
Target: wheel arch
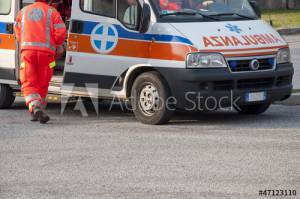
x=133 y=73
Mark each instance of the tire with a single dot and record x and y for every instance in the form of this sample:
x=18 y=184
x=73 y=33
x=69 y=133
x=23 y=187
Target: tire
x=253 y=109
x=7 y=97
x=149 y=95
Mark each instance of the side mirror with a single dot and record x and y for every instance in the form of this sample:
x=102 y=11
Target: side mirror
x=145 y=18
x=255 y=7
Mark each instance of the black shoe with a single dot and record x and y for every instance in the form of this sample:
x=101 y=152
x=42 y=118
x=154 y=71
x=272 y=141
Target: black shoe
x=34 y=118
x=41 y=115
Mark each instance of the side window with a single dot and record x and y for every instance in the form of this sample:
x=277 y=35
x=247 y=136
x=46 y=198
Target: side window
x=4 y=7
x=99 y=7
x=27 y=2
x=129 y=12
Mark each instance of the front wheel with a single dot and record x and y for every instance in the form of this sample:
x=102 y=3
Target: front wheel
x=255 y=109
x=150 y=99
x=7 y=97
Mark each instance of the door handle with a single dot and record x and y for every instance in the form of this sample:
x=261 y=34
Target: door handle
x=9 y=28
x=77 y=26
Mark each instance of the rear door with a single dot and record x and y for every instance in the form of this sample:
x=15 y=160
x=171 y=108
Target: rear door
x=8 y=49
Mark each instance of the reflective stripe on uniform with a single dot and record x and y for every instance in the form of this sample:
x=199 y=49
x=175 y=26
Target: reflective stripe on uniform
x=52 y=64
x=46 y=44
x=38 y=44
x=32 y=97
x=22 y=65
x=60 y=25
x=34 y=104
x=44 y=103
x=23 y=22
x=48 y=24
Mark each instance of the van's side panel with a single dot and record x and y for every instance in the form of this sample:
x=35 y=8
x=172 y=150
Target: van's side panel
x=8 y=56
x=84 y=65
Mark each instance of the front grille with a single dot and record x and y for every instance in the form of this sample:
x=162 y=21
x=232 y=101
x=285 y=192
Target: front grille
x=247 y=84
x=255 y=83
x=244 y=65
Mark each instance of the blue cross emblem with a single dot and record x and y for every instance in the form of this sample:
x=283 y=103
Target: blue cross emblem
x=234 y=28
x=104 y=38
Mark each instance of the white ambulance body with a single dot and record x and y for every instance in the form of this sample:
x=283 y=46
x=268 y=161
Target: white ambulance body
x=193 y=58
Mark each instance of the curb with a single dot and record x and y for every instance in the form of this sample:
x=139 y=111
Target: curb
x=289 y=31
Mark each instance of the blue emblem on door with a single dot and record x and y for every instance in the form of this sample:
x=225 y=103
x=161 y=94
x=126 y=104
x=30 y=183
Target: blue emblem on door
x=104 y=38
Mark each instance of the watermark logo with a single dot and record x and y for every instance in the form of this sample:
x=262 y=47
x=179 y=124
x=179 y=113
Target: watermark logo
x=91 y=92
x=194 y=101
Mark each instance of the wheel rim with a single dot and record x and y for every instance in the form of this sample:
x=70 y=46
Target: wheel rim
x=149 y=99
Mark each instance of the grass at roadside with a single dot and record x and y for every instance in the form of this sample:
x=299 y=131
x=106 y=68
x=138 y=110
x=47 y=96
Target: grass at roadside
x=283 y=18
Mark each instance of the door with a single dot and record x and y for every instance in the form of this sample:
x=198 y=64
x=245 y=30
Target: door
x=8 y=49
x=99 y=44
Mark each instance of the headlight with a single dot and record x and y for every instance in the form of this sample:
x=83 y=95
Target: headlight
x=283 y=56
x=205 y=60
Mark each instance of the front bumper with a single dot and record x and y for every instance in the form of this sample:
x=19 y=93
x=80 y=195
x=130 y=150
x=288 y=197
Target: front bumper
x=221 y=88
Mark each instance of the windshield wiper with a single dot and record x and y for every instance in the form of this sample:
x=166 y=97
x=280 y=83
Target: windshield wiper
x=189 y=12
x=178 y=13
x=233 y=13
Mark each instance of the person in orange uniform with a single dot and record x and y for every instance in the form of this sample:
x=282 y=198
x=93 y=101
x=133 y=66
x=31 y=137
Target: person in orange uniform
x=166 y=5
x=39 y=29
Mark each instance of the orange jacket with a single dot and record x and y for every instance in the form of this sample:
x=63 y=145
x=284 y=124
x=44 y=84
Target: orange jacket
x=40 y=27
x=166 y=5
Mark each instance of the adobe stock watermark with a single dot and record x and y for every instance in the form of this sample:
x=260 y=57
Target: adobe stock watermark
x=71 y=93
x=193 y=101
x=198 y=102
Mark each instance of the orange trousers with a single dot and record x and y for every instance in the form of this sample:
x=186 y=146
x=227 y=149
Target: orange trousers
x=36 y=71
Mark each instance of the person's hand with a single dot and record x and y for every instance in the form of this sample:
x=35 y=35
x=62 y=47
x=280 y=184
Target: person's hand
x=207 y=3
x=59 y=52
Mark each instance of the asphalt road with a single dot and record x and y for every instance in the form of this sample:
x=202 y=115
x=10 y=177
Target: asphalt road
x=294 y=42
x=208 y=155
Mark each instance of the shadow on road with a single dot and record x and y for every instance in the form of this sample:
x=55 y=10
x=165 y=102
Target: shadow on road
x=276 y=117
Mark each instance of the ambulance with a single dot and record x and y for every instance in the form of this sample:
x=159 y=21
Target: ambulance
x=162 y=56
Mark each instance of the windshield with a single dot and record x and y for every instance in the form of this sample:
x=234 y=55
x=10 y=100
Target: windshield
x=220 y=10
